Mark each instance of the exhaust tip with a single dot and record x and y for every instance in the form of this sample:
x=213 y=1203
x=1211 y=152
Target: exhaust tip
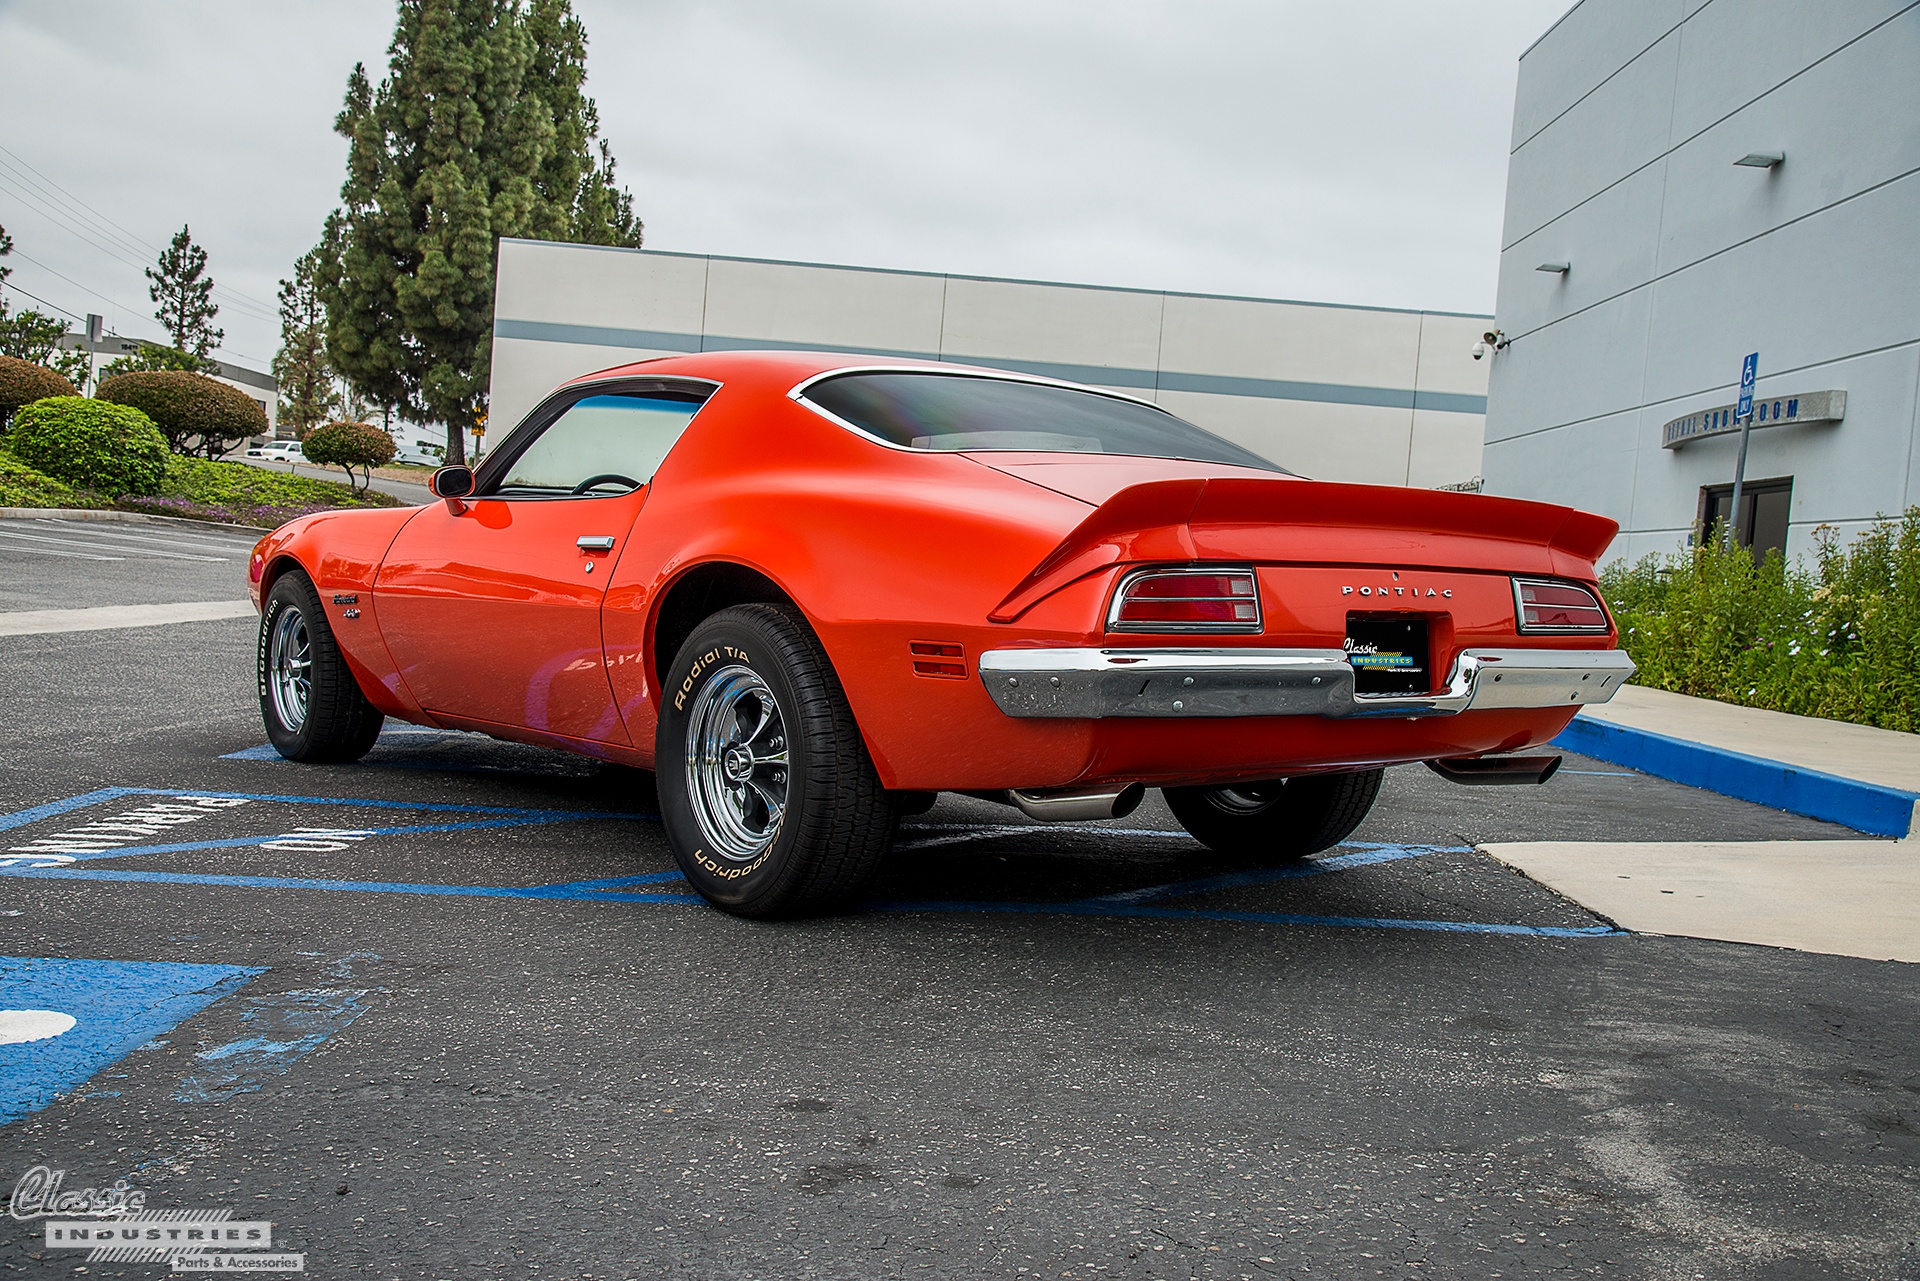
x=1495 y=771
x=1079 y=805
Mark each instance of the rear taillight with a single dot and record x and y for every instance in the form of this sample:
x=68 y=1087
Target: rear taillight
x=1545 y=605
x=1186 y=600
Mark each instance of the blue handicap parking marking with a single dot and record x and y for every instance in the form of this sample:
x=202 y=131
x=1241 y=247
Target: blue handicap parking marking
x=61 y=841
x=62 y=1021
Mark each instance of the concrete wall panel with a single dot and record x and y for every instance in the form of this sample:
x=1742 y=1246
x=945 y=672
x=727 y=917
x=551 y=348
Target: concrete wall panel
x=615 y=289
x=1589 y=43
x=1590 y=466
x=1583 y=367
x=1622 y=125
x=1733 y=50
x=1245 y=339
x=1611 y=243
x=1358 y=443
x=1014 y=320
x=1816 y=119
x=1445 y=449
x=824 y=307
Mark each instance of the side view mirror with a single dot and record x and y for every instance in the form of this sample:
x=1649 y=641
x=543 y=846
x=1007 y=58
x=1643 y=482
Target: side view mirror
x=451 y=482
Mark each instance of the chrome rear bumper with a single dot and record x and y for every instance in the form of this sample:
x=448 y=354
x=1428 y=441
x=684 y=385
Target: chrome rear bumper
x=1096 y=683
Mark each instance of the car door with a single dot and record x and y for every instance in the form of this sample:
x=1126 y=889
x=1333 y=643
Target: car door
x=490 y=605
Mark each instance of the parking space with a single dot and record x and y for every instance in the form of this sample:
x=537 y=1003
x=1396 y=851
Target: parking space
x=57 y=563
x=450 y=1012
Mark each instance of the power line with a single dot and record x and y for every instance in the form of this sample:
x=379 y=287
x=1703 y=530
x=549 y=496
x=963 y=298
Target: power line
x=69 y=208
x=42 y=301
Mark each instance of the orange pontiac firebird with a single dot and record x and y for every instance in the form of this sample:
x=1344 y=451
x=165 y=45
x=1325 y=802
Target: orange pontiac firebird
x=810 y=591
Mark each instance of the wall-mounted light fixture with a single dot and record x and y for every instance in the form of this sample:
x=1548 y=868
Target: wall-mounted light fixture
x=1761 y=159
x=1555 y=268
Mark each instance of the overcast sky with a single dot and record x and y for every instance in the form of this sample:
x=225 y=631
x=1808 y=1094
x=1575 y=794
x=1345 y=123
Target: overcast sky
x=1341 y=152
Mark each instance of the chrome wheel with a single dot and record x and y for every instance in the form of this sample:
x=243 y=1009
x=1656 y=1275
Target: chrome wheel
x=290 y=667
x=737 y=763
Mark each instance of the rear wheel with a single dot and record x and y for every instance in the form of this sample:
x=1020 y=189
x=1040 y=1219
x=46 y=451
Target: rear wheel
x=769 y=798
x=1277 y=821
x=313 y=708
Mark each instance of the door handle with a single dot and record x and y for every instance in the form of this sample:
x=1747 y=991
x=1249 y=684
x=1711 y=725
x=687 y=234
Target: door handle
x=603 y=543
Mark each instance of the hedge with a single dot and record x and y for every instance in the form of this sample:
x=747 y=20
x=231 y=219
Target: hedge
x=1839 y=638
x=90 y=444
x=189 y=407
x=22 y=382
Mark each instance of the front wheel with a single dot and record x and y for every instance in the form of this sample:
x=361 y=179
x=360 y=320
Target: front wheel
x=768 y=796
x=313 y=708
x=1278 y=821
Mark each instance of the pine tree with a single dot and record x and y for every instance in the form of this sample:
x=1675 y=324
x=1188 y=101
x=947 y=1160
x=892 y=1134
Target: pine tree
x=478 y=131
x=308 y=396
x=183 y=292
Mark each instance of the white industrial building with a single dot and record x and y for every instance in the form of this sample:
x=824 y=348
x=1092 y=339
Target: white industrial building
x=1689 y=182
x=1338 y=393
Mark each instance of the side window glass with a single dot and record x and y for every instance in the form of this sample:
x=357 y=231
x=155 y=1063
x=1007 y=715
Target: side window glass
x=602 y=445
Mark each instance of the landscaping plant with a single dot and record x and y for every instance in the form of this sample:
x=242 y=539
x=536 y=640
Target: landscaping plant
x=90 y=444
x=347 y=446
x=22 y=382
x=194 y=412
x=1838 y=639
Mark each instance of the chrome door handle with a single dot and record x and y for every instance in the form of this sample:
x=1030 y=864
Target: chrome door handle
x=590 y=544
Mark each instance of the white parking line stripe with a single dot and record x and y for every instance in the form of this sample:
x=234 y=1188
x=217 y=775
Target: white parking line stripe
x=232 y=550
x=95 y=546
x=221 y=542
x=40 y=622
x=44 y=551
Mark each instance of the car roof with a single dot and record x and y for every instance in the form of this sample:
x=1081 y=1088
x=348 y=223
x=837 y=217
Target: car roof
x=786 y=368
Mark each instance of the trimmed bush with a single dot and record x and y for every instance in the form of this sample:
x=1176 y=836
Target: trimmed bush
x=22 y=382
x=347 y=446
x=90 y=443
x=189 y=408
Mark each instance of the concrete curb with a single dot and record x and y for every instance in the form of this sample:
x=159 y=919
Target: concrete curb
x=114 y=516
x=1865 y=807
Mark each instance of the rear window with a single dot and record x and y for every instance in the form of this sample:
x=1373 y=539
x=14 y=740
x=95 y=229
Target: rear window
x=954 y=411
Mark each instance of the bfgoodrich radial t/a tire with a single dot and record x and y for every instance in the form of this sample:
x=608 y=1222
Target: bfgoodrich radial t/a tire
x=1277 y=821
x=769 y=798
x=312 y=706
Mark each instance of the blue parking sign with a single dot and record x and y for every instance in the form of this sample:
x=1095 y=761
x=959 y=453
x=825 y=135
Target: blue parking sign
x=1749 y=374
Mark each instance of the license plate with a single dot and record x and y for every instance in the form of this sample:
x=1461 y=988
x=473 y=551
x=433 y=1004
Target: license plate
x=1389 y=653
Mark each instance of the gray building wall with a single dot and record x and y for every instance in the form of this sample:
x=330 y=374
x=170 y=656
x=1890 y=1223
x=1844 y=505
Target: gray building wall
x=1342 y=393
x=1628 y=118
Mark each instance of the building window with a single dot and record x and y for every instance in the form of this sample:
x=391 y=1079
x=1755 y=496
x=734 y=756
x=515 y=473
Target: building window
x=1764 y=508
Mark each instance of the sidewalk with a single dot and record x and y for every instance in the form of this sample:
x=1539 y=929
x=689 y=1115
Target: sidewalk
x=1864 y=778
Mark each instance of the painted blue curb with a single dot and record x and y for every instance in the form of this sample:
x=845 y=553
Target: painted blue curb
x=1865 y=807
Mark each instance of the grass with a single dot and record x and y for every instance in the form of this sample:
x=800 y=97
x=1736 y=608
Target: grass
x=1839 y=638
x=230 y=493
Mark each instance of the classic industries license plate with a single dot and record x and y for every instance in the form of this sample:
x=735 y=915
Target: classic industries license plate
x=1388 y=653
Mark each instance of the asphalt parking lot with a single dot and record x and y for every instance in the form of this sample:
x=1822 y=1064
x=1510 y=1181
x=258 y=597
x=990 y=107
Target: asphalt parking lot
x=449 y=1012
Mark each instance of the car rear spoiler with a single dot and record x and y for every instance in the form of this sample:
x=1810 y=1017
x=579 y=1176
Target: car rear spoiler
x=1316 y=522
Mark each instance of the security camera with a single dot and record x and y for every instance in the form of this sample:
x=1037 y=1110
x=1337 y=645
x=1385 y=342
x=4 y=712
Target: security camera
x=1479 y=349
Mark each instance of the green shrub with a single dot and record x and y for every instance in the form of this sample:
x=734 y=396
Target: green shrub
x=189 y=408
x=1839 y=639
x=90 y=443
x=22 y=486
x=22 y=382
x=347 y=446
